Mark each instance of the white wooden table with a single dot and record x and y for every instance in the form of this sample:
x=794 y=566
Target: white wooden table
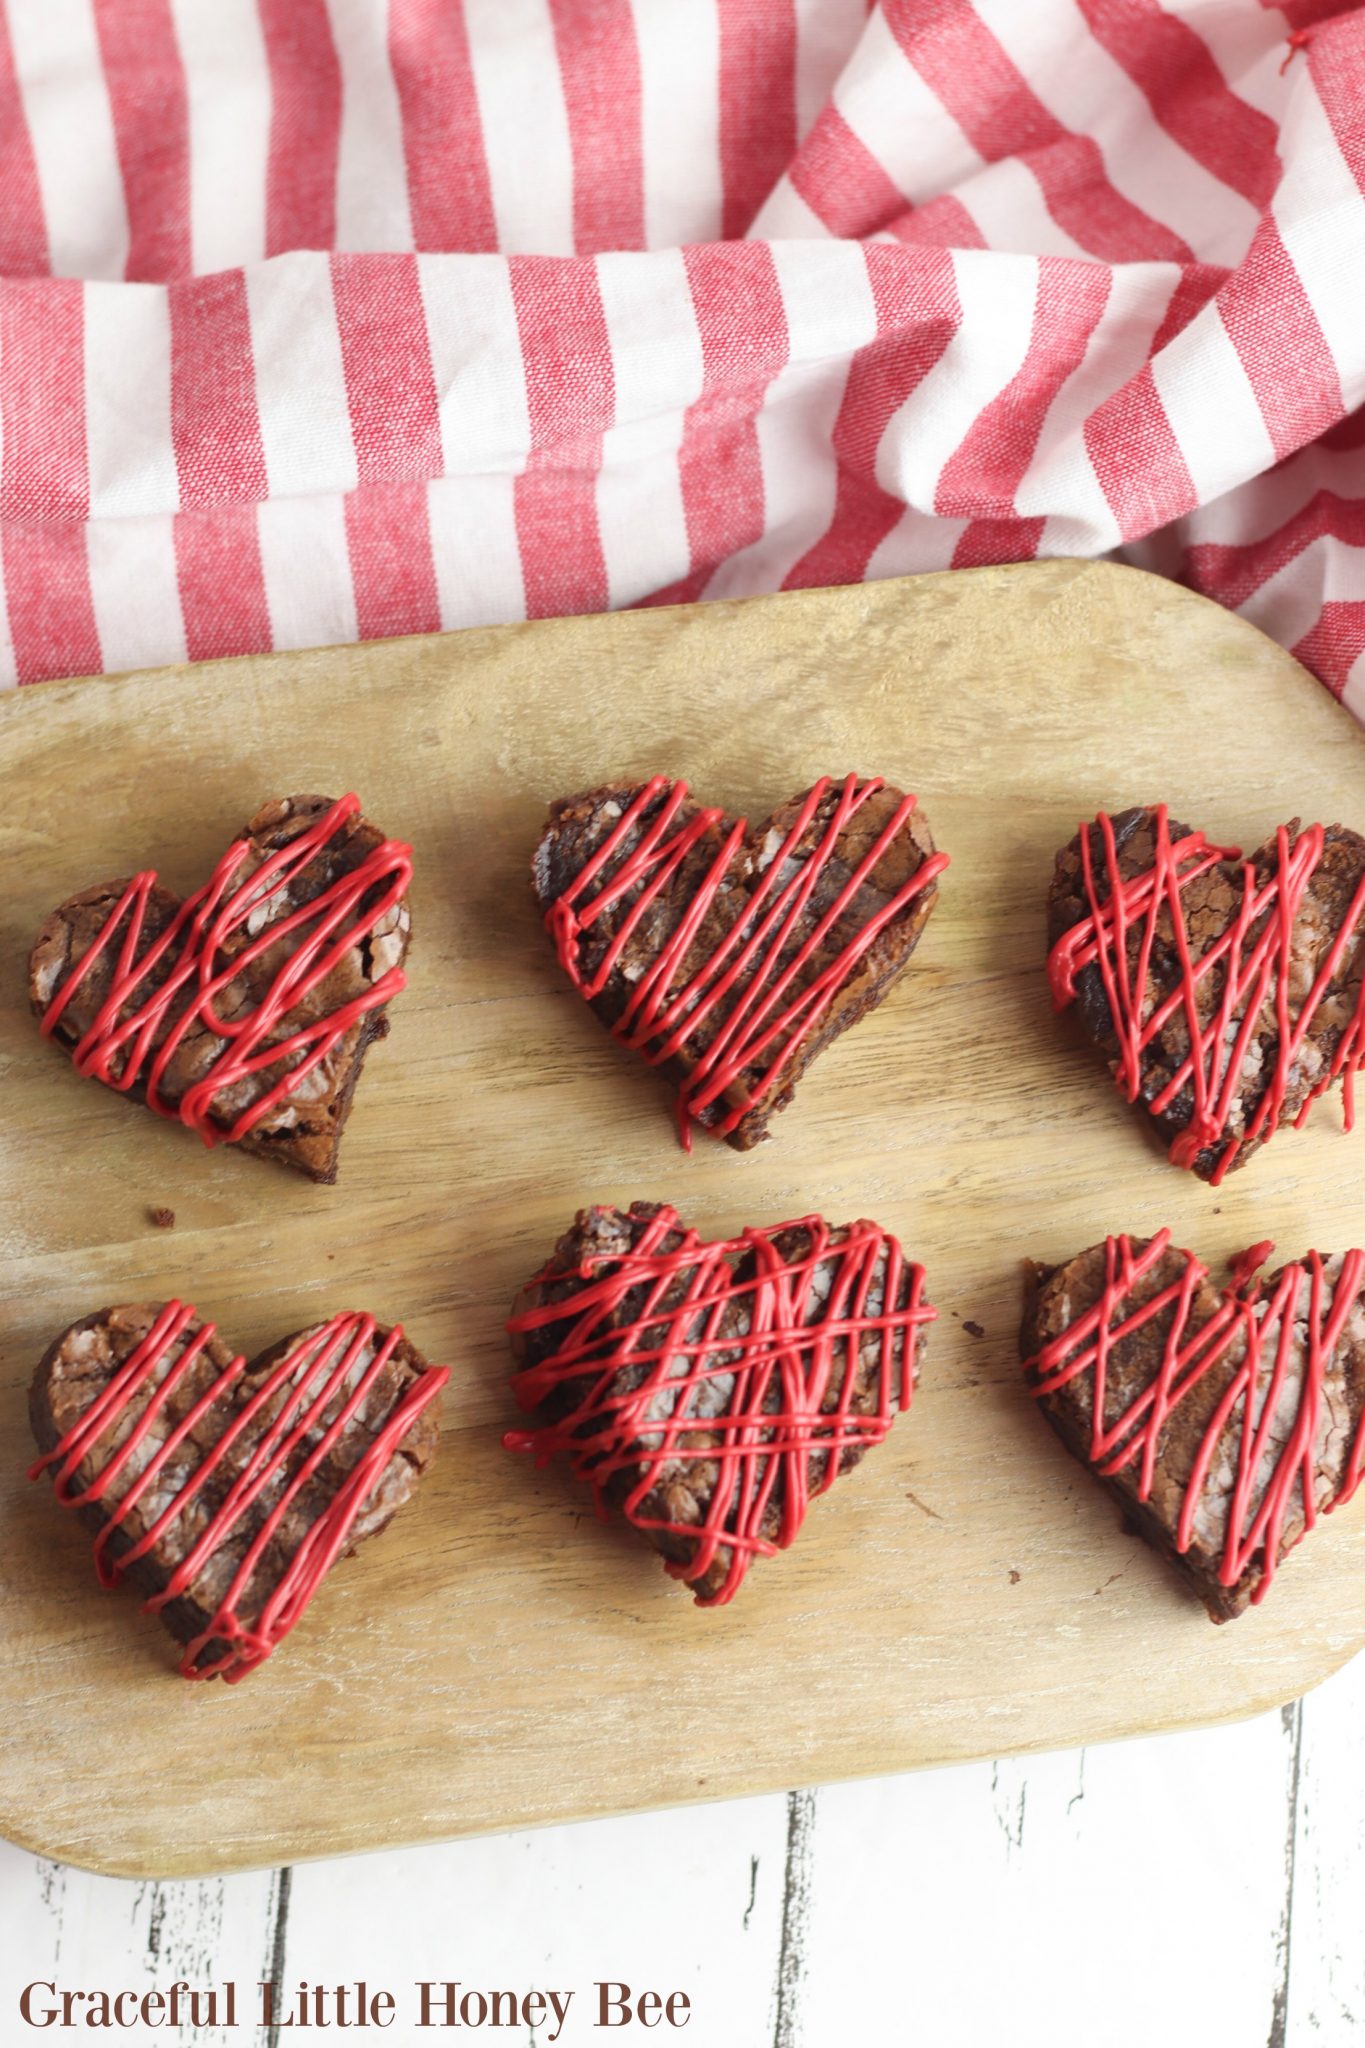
x=1204 y=1888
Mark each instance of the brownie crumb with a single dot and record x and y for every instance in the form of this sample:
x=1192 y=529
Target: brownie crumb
x=1015 y=1577
x=163 y=1218
x=974 y=1329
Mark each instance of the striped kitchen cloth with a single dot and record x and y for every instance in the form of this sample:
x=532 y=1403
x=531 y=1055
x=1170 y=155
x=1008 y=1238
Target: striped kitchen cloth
x=332 y=319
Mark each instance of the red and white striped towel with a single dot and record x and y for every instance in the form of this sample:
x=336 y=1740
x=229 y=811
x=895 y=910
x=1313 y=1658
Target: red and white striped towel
x=331 y=318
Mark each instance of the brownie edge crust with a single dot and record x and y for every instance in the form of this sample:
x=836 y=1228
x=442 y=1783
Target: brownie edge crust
x=80 y=1364
x=1227 y=1340
x=578 y=826
x=304 y=1130
x=667 y=1493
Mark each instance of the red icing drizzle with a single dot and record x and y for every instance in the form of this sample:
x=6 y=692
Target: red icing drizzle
x=1257 y=1505
x=746 y=965
x=329 y=927
x=790 y=1342
x=309 y=1376
x=1256 y=965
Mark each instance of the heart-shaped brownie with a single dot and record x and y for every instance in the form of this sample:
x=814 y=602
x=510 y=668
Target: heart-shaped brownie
x=1224 y=1422
x=730 y=955
x=1225 y=994
x=247 y=1009
x=709 y=1391
x=225 y=1490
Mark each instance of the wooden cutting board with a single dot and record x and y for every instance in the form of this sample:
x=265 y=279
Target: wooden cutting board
x=498 y=1658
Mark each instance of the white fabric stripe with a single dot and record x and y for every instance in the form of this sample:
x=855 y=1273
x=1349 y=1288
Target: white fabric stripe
x=372 y=177
x=640 y=518
x=525 y=126
x=1289 y=603
x=476 y=362
x=827 y=33
x=915 y=545
x=906 y=126
x=785 y=215
x=1260 y=77
x=134 y=592
x=474 y=548
x=130 y=455
x=1248 y=45
x=1353 y=695
x=1211 y=407
x=827 y=299
x=300 y=381
x=72 y=129
x=998 y=295
x=1083 y=87
x=9 y=667
x=657 y=367
x=1320 y=212
x=227 y=84
x=1263 y=504
x=655 y=346
x=1060 y=482
x=1007 y=204
x=307 y=571
x=679 y=45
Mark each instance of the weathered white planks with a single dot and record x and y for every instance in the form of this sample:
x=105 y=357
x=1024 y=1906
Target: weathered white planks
x=1051 y=1901
x=86 y=1932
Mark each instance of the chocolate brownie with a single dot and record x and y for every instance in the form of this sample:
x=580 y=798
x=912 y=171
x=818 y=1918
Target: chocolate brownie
x=82 y=1365
x=1175 y=1428
x=1278 y=1076
x=714 y=1484
x=304 y=1128
x=704 y=982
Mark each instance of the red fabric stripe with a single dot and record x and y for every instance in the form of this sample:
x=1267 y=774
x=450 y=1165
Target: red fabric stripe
x=220 y=463
x=599 y=66
x=571 y=400
x=980 y=478
x=388 y=536
x=1332 y=647
x=942 y=223
x=918 y=314
x=1233 y=574
x=1337 y=59
x=42 y=399
x=47 y=596
x=997 y=110
x=1310 y=13
x=744 y=343
x=305 y=125
x=1292 y=371
x=222 y=587
x=1196 y=285
x=841 y=181
x=686 y=590
x=1137 y=458
x=1347 y=433
x=44 y=471
x=390 y=386
x=1175 y=71
x=757 y=104
x=23 y=231
x=449 y=192
x=988 y=541
x=146 y=83
x=214 y=422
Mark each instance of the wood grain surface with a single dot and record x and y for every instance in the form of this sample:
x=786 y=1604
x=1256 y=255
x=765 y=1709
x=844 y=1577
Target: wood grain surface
x=499 y=1659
